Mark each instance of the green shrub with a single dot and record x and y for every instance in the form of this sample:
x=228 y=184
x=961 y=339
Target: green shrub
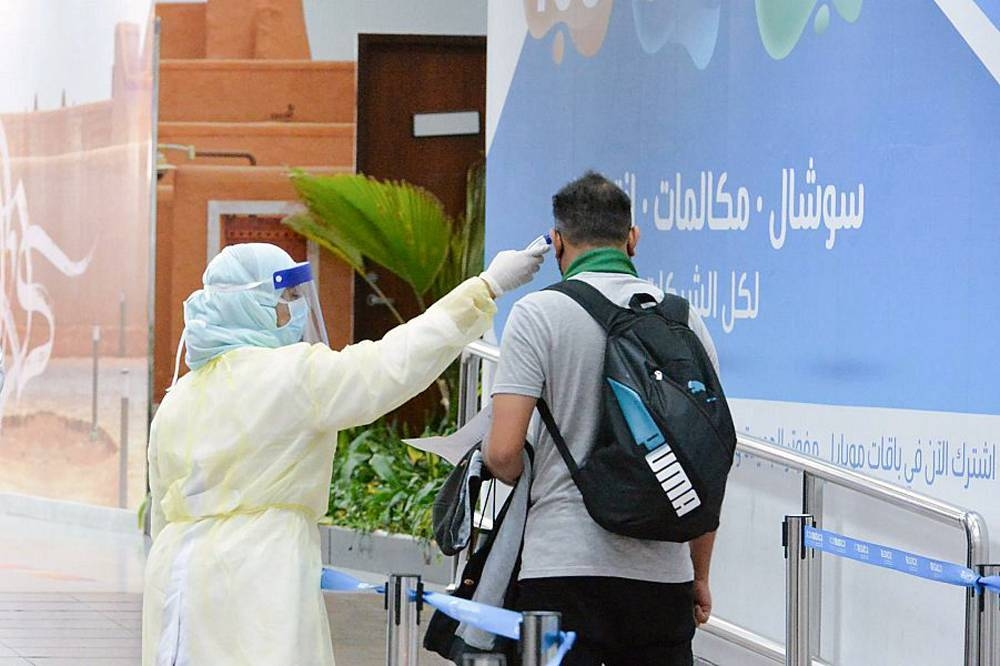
x=380 y=483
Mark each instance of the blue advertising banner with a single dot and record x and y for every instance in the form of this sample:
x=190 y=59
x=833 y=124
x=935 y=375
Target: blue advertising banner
x=819 y=179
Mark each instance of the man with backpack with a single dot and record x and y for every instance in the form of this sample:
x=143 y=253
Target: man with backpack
x=633 y=448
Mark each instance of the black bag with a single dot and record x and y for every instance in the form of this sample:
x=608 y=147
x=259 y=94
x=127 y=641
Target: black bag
x=455 y=503
x=441 y=636
x=658 y=469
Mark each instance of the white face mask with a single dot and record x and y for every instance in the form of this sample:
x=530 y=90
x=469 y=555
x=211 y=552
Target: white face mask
x=293 y=331
x=299 y=309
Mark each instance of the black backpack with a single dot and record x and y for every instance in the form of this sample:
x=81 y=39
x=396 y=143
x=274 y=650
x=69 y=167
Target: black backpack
x=659 y=466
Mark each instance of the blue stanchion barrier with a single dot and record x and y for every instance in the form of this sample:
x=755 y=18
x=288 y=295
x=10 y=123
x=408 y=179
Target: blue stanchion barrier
x=338 y=581
x=498 y=621
x=991 y=583
x=891 y=558
x=567 y=639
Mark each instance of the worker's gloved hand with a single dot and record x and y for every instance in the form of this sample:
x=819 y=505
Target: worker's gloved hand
x=511 y=269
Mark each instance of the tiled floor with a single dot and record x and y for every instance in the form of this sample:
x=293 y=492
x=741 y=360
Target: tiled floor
x=73 y=596
x=94 y=629
x=69 y=595
x=357 y=625
x=58 y=629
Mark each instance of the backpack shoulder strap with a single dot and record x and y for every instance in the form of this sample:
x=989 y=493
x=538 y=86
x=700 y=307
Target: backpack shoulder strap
x=557 y=438
x=674 y=308
x=590 y=299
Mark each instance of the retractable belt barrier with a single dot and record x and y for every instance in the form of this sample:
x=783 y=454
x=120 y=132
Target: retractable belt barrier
x=897 y=560
x=497 y=621
x=800 y=536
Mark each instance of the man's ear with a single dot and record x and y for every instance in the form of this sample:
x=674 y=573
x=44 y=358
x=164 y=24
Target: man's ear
x=633 y=241
x=557 y=244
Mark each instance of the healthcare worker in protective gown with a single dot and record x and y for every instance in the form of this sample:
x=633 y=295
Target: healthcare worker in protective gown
x=241 y=451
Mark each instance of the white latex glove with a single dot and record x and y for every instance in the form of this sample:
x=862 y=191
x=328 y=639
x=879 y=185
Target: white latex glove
x=511 y=269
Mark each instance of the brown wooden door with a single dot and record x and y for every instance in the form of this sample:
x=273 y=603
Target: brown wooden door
x=399 y=76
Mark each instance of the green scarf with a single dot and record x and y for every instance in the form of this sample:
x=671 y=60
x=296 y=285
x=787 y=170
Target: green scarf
x=601 y=260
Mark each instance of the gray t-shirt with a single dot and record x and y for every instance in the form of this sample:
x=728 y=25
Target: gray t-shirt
x=553 y=349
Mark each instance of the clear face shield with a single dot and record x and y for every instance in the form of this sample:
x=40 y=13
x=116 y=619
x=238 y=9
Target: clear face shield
x=298 y=301
x=291 y=293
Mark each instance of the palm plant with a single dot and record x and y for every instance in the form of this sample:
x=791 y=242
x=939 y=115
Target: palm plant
x=400 y=226
x=403 y=228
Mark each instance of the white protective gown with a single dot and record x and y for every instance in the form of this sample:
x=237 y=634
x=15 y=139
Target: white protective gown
x=240 y=460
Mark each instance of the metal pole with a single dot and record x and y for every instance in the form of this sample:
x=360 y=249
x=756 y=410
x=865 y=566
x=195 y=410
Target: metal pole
x=978 y=553
x=539 y=637
x=123 y=447
x=468 y=395
x=989 y=622
x=797 y=558
x=463 y=408
x=151 y=273
x=96 y=339
x=812 y=504
x=404 y=601
x=484 y=660
x=121 y=326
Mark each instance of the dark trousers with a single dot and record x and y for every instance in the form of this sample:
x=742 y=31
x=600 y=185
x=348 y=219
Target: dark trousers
x=618 y=622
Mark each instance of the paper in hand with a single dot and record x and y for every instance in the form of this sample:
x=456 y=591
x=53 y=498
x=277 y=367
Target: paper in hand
x=454 y=446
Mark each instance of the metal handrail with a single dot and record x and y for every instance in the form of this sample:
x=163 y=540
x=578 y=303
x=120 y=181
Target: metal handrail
x=484 y=350
x=866 y=485
x=815 y=473
x=752 y=642
x=970 y=522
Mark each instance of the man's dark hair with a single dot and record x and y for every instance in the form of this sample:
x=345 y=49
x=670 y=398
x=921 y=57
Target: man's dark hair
x=592 y=211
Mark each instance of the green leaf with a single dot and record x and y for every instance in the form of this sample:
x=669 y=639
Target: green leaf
x=429 y=490
x=382 y=464
x=360 y=442
x=354 y=460
x=306 y=225
x=397 y=225
x=385 y=490
x=414 y=455
x=468 y=239
x=475 y=220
